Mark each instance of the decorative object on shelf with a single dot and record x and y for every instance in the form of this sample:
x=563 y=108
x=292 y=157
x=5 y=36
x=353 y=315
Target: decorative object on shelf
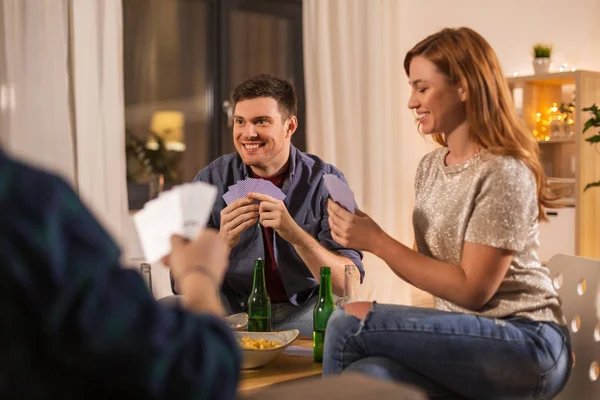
x=593 y=122
x=153 y=164
x=567 y=111
x=554 y=123
x=542 y=61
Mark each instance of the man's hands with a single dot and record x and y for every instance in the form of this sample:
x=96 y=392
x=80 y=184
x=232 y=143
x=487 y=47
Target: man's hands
x=236 y=218
x=274 y=214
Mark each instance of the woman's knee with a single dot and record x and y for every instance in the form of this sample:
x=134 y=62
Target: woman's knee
x=340 y=325
x=360 y=309
x=336 y=321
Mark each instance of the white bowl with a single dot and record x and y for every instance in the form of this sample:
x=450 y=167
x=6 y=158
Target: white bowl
x=238 y=321
x=255 y=358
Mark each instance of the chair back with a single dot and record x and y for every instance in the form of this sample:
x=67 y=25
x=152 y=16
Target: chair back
x=577 y=281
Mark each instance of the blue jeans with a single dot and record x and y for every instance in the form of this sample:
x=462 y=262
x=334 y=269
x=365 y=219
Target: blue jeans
x=451 y=355
x=286 y=316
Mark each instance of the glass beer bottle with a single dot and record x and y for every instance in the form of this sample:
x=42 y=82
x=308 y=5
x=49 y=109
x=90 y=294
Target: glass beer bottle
x=323 y=309
x=146 y=271
x=350 y=292
x=259 y=302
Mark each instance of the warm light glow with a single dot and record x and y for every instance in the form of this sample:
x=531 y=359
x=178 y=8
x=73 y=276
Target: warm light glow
x=168 y=125
x=515 y=74
x=545 y=126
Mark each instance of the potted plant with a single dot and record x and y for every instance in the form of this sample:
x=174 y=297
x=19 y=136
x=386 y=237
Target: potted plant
x=153 y=168
x=542 y=61
x=593 y=122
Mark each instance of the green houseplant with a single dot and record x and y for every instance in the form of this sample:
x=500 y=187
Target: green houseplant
x=153 y=167
x=542 y=58
x=542 y=50
x=153 y=161
x=593 y=122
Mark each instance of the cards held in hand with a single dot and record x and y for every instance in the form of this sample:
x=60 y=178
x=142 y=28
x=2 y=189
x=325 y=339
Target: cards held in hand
x=252 y=185
x=183 y=210
x=339 y=191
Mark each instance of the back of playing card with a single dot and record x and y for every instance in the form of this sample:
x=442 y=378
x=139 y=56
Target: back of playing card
x=339 y=191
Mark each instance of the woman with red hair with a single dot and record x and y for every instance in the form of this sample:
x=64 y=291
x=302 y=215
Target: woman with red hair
x=497 y=330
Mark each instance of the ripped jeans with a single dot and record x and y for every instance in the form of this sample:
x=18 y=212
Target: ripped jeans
x=451 y=355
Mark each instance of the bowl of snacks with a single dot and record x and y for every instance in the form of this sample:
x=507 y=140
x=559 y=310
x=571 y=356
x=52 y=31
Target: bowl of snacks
x=260 y=348
x=237 y=322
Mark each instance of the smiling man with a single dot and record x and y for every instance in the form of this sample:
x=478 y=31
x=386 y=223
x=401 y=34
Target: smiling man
x=293 y=235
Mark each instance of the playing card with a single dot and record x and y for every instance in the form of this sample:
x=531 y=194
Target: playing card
x=234 y=193
x=261 y=186
x=229 y=197
x=155 y=223
x=339 y=191
x=183 y=210
x=274 y=191
x=194 y=198
x=252 y=185
x=268 y=188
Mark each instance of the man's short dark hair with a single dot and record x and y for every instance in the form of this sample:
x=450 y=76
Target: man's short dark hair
x=269 y=86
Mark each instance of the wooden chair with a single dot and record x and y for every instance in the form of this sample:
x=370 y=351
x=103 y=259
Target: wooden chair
x=577 y=281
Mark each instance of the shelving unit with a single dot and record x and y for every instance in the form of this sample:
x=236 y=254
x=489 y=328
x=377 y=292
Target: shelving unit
x=568 y=158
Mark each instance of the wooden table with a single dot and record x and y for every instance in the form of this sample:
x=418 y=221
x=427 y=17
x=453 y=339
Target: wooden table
x=283 y=369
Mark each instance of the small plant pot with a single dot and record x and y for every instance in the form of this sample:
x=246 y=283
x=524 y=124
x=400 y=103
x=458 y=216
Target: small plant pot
x=542 y=65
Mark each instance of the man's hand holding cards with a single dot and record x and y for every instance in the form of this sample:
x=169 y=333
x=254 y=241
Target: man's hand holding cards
x=183 y=210
x=241 y=189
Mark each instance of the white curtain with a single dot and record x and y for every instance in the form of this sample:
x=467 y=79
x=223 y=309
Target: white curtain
x=61 y=95
x=34 y=83
x=98 y=108
x=356 y=95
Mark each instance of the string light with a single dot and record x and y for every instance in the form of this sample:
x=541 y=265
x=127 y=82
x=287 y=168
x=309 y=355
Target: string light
x=546 y=122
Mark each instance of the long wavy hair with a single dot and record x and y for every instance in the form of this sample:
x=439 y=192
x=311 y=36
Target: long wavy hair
x=468 y=60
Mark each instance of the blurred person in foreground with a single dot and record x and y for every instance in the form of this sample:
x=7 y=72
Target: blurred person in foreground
x=497 y=330
x=75 y=324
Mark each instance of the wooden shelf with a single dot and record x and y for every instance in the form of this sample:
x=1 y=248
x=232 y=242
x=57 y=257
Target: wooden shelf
x=556 y=141
x=553 y=78
x=573 y=161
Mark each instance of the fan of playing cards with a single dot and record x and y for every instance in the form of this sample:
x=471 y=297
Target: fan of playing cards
x=252 y=185
x=339 y=191
x=183 y=210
